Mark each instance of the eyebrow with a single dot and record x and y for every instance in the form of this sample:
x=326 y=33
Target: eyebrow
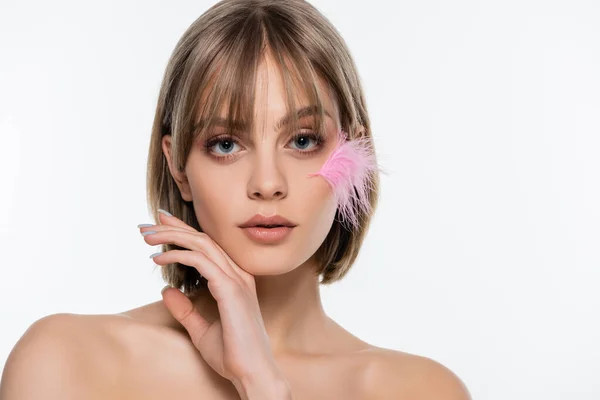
x=238 y=125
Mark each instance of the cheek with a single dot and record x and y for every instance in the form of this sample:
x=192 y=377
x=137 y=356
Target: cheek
x=320 y=198
x=349 y=170
x=318 y=205
x=215 y=201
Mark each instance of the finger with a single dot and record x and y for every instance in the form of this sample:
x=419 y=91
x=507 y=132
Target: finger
x=242 y=273
x=224 y=254
x=174 y=221
x=160 y=228
x=198 y=260
x=182 y=309
x=193 y=241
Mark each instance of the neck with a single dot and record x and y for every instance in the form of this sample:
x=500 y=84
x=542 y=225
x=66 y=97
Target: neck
x=291 y=309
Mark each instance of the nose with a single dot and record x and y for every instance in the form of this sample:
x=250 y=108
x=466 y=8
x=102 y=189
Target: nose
x=267 y=181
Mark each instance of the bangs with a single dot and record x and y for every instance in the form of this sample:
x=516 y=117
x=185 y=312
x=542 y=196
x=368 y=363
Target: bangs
x=231 y=85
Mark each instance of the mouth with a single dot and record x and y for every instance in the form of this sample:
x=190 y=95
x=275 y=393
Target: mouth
x=268 y=234
x=271 y=230
x=272 y=222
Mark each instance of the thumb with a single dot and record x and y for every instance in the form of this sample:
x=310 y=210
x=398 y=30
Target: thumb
x=182 y=309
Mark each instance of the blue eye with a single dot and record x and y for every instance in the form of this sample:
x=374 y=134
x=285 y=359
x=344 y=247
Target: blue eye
x=226 y=144
x=303 y=139
x=223 y=144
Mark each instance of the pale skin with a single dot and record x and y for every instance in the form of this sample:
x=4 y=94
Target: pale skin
x=263 y=334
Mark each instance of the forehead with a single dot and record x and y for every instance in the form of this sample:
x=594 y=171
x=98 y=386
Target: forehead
x=270 y=91
x=270 y=111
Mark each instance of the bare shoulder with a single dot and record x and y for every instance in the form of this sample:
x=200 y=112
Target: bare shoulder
x=59 y=356
x=395 y=374
x=107 y=356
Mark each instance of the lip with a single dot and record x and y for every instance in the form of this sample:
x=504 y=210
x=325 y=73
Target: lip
x=259 y=219
x=267 y=235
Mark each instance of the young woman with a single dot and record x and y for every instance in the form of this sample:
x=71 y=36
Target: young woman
x=261 y=153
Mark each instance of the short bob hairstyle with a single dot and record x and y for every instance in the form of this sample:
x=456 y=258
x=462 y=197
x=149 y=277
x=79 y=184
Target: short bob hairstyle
x=216 y=60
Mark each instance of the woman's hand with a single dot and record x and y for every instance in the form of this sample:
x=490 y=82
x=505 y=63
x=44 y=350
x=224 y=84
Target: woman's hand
x=236 y=345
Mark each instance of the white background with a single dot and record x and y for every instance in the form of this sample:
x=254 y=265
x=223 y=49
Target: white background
x=484 y=252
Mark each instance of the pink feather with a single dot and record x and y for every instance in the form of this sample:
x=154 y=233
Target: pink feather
x=349 y=171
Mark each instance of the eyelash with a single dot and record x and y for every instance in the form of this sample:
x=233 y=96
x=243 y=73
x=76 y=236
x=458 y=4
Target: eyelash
x=316 y=137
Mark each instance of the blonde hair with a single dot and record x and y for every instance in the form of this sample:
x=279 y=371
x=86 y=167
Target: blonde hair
x=216 y=59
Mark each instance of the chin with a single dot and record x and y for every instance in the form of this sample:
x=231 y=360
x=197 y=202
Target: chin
x=267 y=260
x=260 y=259
x=263 y=268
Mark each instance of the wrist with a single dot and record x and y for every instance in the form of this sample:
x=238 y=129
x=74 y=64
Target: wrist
x=265 y=386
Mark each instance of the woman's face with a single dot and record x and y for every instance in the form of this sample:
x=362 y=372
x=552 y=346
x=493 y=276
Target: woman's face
x=230 y=179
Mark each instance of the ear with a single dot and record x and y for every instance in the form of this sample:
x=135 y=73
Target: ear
x=179 y=176
x=359 y=130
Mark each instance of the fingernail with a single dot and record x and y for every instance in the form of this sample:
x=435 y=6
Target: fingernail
x=148 y=233
x=144 y=225
x=155 y=254
x=160 y=210
x=165 y=288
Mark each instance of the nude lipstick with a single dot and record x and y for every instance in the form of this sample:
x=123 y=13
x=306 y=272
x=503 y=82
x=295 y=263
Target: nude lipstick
x=270 y=230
